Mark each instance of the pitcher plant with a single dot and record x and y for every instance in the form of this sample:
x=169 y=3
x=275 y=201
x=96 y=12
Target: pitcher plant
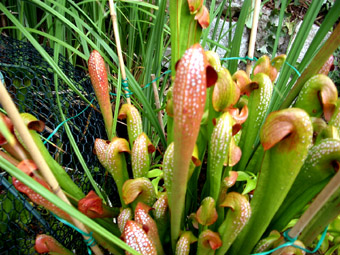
x=234 y=173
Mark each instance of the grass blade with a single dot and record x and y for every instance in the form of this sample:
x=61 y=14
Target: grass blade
x=236 y=42
x=279 y=27
x=282 y=90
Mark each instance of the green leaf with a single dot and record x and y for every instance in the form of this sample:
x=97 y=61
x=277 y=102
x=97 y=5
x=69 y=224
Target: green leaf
x=279 y=27
x=139 y=190
x=218 y=151
x=243 y=176
x=258 y=104
x=60 y=174
x=208 y=242
x=185 y=30
x=111 y=156
x=286 y=137
x=188 y=111
x=250 y=185
x=333 y=249
x=236 y=41
x=313 y=49
x=155 y=184
x=141 y=3
x=237 y=218
x=318 y=96
x=154 y=173
x=250 y=179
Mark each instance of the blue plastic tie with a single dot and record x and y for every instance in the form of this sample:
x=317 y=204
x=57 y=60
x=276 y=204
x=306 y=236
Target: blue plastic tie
x=288 y=238
x=290 y=242
x=125 y=85
x=156 y=79
x=62 y=123
x=298 y=73
x=255 y=59
x=90 y=242
x=240 y=58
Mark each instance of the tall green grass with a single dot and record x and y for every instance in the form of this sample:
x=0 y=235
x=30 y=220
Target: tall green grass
x=86 y=26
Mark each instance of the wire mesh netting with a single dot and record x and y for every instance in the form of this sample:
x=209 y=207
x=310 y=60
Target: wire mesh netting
x=29 y=79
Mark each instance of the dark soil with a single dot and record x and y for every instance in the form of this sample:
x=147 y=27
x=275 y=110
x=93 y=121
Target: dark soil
x=298 y=10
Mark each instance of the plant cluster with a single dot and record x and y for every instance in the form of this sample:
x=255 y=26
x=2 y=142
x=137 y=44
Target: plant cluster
x=224 y=127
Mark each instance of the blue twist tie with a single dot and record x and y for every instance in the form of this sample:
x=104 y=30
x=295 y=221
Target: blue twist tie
x=288 y=238
x=251 y=59
x=290 y=242
x=156 y=79
x=90 y=242
x=126 y=87
x=62 y=123
x=298 y=73
x=240 y=58
x=255 y=59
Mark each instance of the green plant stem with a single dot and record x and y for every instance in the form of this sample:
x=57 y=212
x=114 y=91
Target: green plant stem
x=175 y=7
x=236 y=42
x=73 y=142
x=279 y=27
x=117 y=104
x=181 y=168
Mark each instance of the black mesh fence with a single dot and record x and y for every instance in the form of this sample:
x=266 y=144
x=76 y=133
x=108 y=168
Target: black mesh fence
x=29 y=79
